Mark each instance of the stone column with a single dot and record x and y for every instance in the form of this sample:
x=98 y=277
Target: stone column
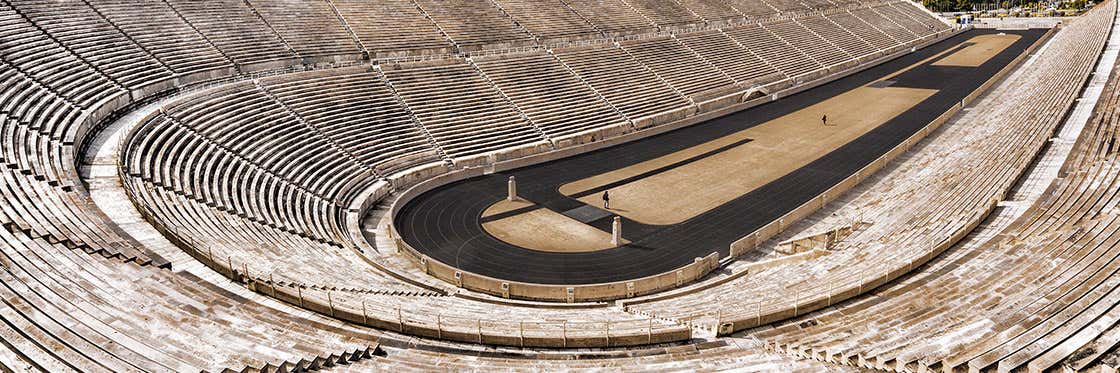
x=616 y=231
x=512 y=189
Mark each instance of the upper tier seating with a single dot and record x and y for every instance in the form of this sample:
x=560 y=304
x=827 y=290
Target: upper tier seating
x=739 y=63
x=549 y=19
x=664 y=13
x=310 y=28
x=358 y=112
x=851 y=43
x=973 y=297
x=679 y=66
x=555 y=100
x=752 y=8
x=819 y=49
x=913 y=19
x=712 y=10
x=891 y=27
x=902 y=19
x=70 y=312
x=776 y=52
x=612 y=16
x=863 y=30
x=95 y=40
x=32 y=57
x=390 y=27
x=475 y=24
x=463 y=113
x=235 y=29
x=155 y=27
x=787 y=6
x=625 y=82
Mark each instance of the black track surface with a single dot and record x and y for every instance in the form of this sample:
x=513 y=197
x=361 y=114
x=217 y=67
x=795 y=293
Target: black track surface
x=445 y=223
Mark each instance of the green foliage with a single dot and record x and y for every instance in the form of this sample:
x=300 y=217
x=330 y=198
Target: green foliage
x=1075 y=4
x=970 y=5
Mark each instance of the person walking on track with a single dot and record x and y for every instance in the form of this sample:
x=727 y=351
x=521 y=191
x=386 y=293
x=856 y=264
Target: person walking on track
x=606 y=200
x=824 y=120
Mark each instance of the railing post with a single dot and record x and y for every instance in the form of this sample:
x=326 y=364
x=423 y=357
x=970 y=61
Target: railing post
x=400 y=319
x=608 y=333
x=565 y=331
x=330 y=303
x=758 y=313
x=616 y=231
x=299 y=290
x=796 y=300
x=479 y=331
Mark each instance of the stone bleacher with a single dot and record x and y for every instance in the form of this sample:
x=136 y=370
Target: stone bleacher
x=821 y=50
x=849 y=42
x=154 y=26
x=392 y=27
x=96 y=41
x=712 y=10
x=1055 y=267
x=236 y=30
x=730 y=57
x=550 y=20
x=665 y=13
x=776 y=52
x=216 y=169
x=680 y=67
x=612 y=17
x=555 y=100
x=1027 y=298
x=462 y=112
x=473 y=25
x=357 y=110
x=258 y=217
x=310 y=28
x=635 y=90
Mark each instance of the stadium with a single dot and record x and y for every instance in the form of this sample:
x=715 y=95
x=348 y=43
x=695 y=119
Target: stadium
x=556 y=185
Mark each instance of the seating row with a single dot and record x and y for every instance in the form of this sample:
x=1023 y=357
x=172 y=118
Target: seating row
x=1015 y=301
x=63 y=60
x=262 y=170
x=1054 y=268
